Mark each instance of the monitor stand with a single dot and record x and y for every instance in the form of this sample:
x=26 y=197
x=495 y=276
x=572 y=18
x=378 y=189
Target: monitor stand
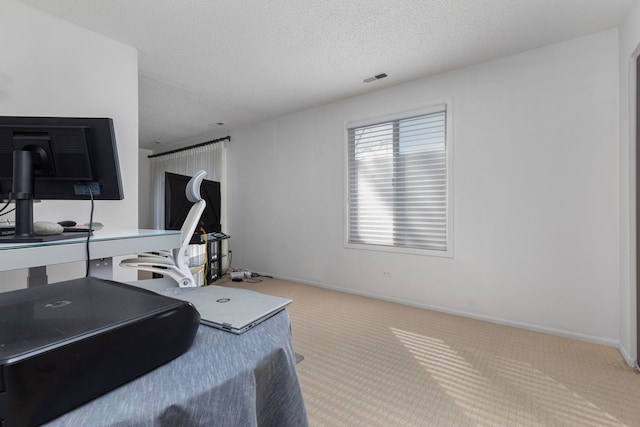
x=23 y=178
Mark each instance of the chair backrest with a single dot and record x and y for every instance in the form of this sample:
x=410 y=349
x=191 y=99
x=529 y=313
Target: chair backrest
x=193 y=217
x=193 y=187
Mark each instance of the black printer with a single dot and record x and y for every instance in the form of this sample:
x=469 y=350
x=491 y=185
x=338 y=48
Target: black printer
x=66 y=343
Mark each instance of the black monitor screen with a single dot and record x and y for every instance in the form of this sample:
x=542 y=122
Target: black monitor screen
x=55 y=158
x=71 y=157
x=176 y=205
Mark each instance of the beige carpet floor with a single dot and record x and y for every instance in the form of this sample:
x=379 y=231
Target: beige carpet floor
x=375 y=363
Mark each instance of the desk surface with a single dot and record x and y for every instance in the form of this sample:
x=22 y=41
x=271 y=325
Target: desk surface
x=223 y=380
x=104 y=243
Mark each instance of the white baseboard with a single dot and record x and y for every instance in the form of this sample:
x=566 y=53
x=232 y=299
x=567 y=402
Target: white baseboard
x=500 y=321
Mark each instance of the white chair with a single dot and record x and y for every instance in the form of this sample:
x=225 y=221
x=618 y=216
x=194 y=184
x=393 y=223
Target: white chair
x=174 y=263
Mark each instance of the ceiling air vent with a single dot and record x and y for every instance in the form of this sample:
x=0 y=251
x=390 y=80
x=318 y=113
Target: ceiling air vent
x=376 y=77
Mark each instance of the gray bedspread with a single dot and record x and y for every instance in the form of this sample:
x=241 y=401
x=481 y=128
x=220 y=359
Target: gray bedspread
x=223 y=380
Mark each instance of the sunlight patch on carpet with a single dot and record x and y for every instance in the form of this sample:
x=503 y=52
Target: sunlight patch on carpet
x=503 y=391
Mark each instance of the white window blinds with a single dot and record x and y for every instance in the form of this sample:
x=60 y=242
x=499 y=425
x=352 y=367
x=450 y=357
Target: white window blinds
x=397 y=183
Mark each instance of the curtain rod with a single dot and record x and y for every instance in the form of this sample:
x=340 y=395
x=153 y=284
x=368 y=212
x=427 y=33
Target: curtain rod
x=177 y=150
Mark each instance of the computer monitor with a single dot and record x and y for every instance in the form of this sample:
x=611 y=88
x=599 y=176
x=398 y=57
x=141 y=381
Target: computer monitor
x=56 y=158
x=176 y=205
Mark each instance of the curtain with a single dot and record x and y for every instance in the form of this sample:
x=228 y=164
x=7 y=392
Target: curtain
x=210 y=158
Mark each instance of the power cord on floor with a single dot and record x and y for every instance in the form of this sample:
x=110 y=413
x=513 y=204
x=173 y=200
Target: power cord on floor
x=254 y=278
x=257 y=277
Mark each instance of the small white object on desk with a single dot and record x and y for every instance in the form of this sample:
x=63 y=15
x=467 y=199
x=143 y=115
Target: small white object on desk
x=46 y=228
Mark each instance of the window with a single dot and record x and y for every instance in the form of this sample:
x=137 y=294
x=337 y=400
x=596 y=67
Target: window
x=397 y=179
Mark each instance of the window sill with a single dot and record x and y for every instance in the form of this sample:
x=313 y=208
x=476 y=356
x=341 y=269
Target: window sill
x=400 y=250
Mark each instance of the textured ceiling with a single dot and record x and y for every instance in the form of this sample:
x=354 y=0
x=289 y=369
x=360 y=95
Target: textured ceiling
x=202 y=62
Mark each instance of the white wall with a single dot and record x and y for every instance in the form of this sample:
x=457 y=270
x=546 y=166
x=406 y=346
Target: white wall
x=629 y=51
x=59 y=69
x=536 y=194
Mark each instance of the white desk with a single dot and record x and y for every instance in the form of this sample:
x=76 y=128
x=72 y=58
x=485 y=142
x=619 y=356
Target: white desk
x=104 y=244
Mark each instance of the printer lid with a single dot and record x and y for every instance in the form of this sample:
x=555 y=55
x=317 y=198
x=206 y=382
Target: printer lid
x=48 y=316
